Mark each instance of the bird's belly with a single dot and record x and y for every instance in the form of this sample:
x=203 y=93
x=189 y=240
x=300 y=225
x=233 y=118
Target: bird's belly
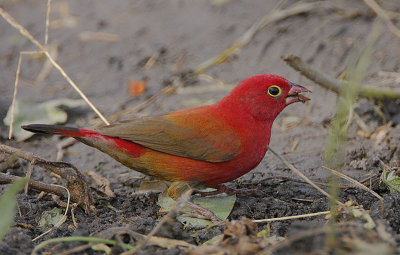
x=175 y=168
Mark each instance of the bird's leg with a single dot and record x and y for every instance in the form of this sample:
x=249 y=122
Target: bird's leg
x=203 y=212
x=221 y=188
x=176 y=189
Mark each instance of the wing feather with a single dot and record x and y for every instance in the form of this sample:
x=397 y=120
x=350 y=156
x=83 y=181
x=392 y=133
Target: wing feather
x=195 y=136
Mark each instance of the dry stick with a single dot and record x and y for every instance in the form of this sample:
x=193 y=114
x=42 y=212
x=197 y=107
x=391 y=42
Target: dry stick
x=61 y=220
x=48 y=10
x=154 y=240
x=15 y=96
x=356 y=183
x=16 y=83
x=69 y=172
x=47 y=65
x=284 y=178
x=17 y=73
x=383 y=16
x=273 y=16
x=25 y=33
x=294 y=169
x=334 y=85
x=29 y=174
x=63 y=145
x=293 y=217
x=49 y=188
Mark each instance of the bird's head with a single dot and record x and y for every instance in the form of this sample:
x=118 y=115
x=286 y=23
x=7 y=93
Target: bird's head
x=264 y=96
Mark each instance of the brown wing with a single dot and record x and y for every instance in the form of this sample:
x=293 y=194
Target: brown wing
x=195 y=136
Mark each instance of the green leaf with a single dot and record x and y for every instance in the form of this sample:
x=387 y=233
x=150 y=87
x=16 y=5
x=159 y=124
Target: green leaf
x=8 y=204
x=51 y=217
x=29 y=112
x=221 y=205
x=214 y=240
x=391 y=180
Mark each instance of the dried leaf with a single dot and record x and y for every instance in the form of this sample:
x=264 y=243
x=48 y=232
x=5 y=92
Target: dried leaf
x=136 y=88
x=240 y=237
x=381 y=133
x=363 y=214
x=103 y=183
x=289 y=122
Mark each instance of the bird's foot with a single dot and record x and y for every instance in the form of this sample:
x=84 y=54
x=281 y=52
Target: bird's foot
x=203 y=212
x=225 y=189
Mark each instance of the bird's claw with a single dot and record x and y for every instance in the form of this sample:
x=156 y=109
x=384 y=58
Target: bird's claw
x=203 y=212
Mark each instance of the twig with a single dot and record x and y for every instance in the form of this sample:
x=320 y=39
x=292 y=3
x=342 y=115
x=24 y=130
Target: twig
x=294 y=169
x=17 y=73
x=273 y=16
x=356 y=183
x=49 y=188
x=25 y=33
x=29 y=174
x=48 y=10
x=154 y=240
x=77 y=239
x=62 y=145
x=334 y=85
x=293 y=217
x=76 y=181
x=383 y=16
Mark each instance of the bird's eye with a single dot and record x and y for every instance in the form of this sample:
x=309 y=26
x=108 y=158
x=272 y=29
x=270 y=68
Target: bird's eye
x=274 y=91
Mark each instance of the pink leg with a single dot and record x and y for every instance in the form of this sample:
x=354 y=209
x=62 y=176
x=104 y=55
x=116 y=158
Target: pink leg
x=224 y=189
x=204 y=213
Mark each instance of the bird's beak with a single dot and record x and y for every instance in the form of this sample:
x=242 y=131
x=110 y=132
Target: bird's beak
x=294 y=95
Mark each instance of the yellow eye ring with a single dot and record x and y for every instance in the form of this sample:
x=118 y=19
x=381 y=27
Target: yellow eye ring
x=274 y=91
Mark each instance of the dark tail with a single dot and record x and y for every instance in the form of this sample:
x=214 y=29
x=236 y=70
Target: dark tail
x=57 y=130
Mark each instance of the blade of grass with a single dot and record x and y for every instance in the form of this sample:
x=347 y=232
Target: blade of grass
x=334 y=149
x=8 y=204
x=79 y=239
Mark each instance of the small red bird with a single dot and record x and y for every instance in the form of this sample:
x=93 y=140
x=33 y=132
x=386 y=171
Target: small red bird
x=206 y=145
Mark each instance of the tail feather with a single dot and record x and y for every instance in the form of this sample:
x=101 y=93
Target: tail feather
x=56 y=130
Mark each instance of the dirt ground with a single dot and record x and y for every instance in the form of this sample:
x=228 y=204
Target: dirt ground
x=183 y=34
